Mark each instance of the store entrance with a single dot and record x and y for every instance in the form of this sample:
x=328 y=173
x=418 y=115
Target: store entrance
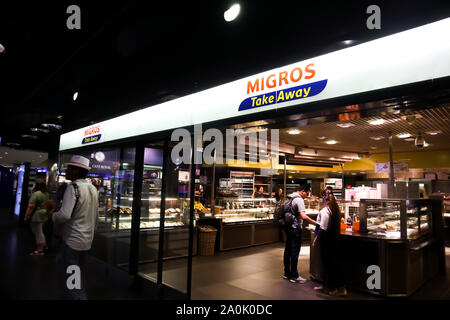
x=346 y=149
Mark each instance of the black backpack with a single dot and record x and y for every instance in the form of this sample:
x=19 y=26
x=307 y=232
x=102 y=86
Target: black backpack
x=284 y=213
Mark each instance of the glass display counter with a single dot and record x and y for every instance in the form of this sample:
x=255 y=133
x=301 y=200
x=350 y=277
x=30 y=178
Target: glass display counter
x=403 y=237
x=243 y=222
x=244 y=209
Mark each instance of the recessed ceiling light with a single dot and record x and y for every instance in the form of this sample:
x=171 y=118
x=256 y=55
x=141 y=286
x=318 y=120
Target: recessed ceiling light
x=404 y=135
x=377 y=138
x=294 y=131
x=348 y=42
x=345 y=125
x=331 y=142
x=232 y=13
x=75 y=96
x=433 y=133
x=376 y=122
x=332 y=158
x=321 y=138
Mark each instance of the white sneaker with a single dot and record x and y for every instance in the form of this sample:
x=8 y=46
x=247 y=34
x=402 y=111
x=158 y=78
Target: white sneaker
x=298 y=280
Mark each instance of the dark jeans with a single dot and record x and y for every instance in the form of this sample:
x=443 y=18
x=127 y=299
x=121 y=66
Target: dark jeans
x=329 y=250
x=68 y=276
x=291 y=252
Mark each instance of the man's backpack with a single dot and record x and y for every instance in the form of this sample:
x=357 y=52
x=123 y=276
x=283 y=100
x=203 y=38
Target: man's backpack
x=284 y=213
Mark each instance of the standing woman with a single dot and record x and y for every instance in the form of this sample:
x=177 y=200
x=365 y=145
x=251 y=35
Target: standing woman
x=327 y=237
x=38 y=213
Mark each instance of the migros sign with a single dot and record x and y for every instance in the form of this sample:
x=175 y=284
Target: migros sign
x=279 y=79
x=91 y=134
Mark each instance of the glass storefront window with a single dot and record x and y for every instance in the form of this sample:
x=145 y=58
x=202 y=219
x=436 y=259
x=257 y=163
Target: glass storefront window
x=112 y=174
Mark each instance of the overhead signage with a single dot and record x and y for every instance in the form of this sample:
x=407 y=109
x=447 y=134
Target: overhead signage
x=383 y=167
x=404 y=58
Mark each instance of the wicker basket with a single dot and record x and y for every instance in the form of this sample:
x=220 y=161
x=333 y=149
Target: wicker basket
x=206 y=240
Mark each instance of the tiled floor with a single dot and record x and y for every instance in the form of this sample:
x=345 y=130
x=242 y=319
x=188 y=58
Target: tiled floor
x=252 y=273
x=255 y=274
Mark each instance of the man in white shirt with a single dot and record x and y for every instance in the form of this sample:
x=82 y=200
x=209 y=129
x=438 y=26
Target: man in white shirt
x=78 y=216
x=294 y=236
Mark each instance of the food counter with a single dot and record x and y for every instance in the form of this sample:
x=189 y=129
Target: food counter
x=405 y=241
x=243 y=222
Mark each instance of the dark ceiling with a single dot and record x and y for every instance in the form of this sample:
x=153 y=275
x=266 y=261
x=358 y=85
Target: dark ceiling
x=132 y=54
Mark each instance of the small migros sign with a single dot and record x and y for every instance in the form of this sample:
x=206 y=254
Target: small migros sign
x=92 y=134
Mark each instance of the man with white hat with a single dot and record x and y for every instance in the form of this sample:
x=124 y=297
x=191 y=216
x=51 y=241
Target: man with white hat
x=78 y=216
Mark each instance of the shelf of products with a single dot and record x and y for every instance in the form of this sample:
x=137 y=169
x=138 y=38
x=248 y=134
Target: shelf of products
x=336 y=185
x=243 y=183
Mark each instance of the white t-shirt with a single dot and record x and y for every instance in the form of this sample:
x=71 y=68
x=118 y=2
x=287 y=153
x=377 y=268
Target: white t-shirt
x=78 y=230
x=323 y=218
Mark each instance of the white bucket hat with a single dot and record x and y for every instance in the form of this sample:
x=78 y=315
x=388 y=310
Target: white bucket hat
x=79 y=161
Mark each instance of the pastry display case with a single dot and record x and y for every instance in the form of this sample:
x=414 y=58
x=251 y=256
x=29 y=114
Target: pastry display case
x=244 y=209
x=396 y=219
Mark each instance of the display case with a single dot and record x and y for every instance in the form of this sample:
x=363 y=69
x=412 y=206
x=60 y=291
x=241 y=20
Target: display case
x=403 y=237
x=396 y=219
x=120 y=217
x=244 y=209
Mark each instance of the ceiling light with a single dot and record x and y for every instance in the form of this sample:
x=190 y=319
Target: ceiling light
x=60 y=117
x=232 y=13
x=2 y=48
x=404 y=135
x=75 y=96
x=331 y=142
x=433 y=133
x=51 y=125
x=12 y=144
x=377 y=138
x=348 y=42
x=425 y=144
x=345 y=125
x=410 y=139
x=321 y=138
x=332 y=158
x=376 y=122
x=294 y=131
x=40 y=130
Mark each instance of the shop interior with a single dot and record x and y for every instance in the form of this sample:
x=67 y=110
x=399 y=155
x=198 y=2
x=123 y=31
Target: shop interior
x=346 y=148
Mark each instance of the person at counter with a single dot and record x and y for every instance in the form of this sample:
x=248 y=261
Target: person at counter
x=327 y=238
x=326 y=193
x=279 y=195
x=258 y=192
x=294 y=235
